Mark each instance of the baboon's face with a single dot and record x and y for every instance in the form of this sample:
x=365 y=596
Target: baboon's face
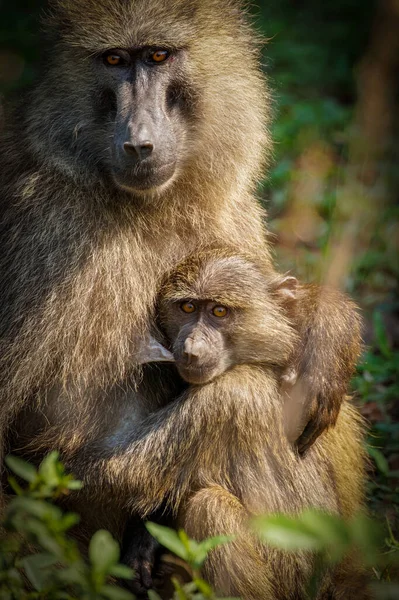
x=145 y=103
x=200 y=331
x=218 y=312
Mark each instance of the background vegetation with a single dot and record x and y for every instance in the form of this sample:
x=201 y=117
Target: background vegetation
x=331 y=193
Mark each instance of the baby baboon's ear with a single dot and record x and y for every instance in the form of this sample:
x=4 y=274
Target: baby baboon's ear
x=287 y=288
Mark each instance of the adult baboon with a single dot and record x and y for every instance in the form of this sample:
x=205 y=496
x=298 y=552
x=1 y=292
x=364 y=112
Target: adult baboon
x=219 y=452
x=142 y=140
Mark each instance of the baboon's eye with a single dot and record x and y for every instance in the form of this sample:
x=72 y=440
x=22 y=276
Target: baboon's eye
x=159 y=56
x=113 y=59
x=188 y=307
x=220 y=311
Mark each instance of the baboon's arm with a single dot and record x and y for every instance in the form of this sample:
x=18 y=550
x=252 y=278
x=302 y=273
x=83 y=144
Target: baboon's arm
x=239 y=567
x=330 y=332
x=199 y=435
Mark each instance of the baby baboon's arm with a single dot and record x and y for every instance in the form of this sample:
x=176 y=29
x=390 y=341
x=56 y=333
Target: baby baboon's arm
x=330 y=334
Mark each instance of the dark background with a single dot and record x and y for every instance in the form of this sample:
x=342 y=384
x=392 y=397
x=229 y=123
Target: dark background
x=332 y=191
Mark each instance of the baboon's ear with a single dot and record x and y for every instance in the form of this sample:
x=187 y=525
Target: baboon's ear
x=287 y=288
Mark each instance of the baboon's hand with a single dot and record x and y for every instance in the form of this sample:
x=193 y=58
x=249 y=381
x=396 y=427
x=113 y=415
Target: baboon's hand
x=323 y=400
x=330 y=344
x=152 y=351
x=143 y=556
x=321 y=420
x=142 y=553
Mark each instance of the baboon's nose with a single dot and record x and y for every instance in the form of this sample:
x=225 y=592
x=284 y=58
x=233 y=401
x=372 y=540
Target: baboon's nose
x=192 y=350
x=138 y=151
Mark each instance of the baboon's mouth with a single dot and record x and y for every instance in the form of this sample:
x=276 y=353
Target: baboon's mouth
x=198 y=375
x=145 y=179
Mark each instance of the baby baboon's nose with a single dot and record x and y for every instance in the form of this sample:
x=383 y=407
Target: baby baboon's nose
x=187 y=352
x=139 y=151
x=192 y=349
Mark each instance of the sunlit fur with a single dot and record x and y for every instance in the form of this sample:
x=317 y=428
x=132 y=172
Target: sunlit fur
x=327 y=348
x=326 y=357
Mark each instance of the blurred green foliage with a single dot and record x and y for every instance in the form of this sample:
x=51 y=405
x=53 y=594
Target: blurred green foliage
x=38 y=559
x=194 y=554
x=331 y=539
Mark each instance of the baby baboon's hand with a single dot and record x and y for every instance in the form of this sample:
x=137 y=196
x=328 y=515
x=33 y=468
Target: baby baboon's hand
x=322 y=403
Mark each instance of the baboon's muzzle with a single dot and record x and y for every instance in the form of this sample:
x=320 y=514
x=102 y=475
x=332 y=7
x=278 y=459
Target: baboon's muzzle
x=144 y=153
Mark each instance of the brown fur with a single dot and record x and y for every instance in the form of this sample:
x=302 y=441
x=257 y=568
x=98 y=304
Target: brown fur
x=81 y=260
x=257 y=327
x=225 y=456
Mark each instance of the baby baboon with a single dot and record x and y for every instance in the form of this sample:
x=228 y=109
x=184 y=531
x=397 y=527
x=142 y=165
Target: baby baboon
x=128 y=155
x=341 y=340
x=231 y=338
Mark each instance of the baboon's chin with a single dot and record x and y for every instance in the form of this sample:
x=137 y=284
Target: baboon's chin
x=198 y=376
x=151 y=184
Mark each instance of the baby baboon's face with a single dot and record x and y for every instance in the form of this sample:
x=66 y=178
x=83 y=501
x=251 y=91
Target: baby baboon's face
x=218 y=312
x=200 y=330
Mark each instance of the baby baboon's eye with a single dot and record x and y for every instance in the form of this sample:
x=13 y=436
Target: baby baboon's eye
x=159 y=56
x=188 y=307
x=113 y=59
x=220 y=311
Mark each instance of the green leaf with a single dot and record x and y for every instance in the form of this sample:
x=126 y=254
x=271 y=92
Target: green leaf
x=49 y=469
x=14 y=576
x=37 y=508
x=285 y=532
x=69 y=520
x=203 y=548
x=203 y=587
x=121 y=571
x=35 y=566
x=379 y=459
x=213 y=542
x=185 y=539
x=74 y=484
x=169 y=538
x=153 y=595
x=330 y=530
x=103 y=551
x=21 y=468
x=15 y=486
x=45 y=537
x=76 y=574
x=180 y=592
